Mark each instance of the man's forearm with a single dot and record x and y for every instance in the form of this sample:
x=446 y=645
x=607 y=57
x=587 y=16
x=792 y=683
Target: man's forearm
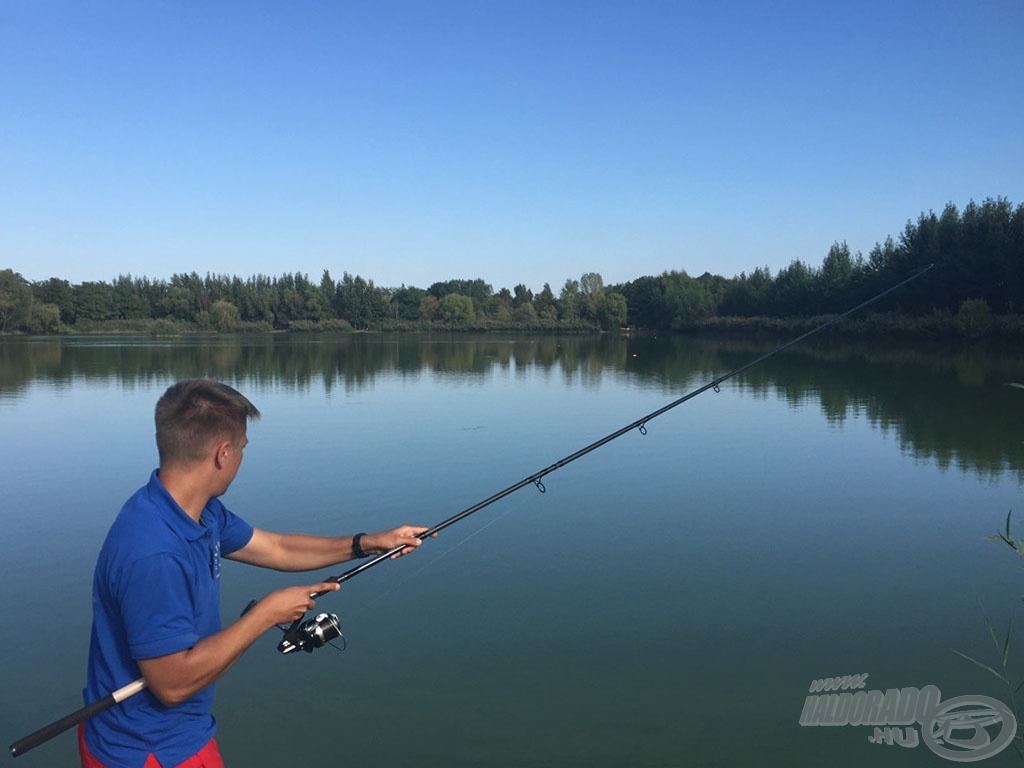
x=294 y=551
x=175 y=678
x=178 y=676
x=302 y=552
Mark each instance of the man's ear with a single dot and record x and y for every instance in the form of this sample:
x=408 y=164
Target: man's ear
x=221 y=452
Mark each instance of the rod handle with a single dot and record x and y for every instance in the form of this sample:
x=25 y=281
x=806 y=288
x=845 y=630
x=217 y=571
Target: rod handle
x=47 y=732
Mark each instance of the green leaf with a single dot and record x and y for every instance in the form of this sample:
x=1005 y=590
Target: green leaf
x=1008 y=537
x=1006 y=644
x=984 y=666
x=991 y=629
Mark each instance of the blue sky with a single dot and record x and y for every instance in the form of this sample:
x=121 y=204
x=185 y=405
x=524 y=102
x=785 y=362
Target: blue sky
x=411 y=142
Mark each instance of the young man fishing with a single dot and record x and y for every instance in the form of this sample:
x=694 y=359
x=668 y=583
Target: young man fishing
x=156 y=588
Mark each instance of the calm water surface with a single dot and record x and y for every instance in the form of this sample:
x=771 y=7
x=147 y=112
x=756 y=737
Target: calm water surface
x=666 y=602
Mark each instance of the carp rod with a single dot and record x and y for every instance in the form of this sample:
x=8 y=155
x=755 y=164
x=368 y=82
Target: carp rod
x=316 y=632
x=298 y=635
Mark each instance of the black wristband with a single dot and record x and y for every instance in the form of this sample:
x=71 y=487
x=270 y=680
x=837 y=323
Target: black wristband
x=357 y=550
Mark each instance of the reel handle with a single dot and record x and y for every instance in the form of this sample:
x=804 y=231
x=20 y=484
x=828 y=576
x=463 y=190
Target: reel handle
x=292 y=636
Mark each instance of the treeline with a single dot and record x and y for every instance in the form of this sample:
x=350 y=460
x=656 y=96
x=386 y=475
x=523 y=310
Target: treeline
x=294 y=302
x=977 y=278
x=976 y=286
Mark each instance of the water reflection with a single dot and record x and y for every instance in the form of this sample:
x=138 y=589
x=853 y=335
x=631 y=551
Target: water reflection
x=950 y=406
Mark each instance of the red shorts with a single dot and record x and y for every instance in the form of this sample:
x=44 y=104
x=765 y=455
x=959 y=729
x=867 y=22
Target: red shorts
x=207 y=757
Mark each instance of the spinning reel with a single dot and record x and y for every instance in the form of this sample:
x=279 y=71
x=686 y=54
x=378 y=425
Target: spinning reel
x=309 y=634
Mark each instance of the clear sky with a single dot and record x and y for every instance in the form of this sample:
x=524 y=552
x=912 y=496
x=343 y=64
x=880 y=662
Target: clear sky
x=526 y=141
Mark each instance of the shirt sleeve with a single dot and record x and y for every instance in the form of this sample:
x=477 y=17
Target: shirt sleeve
x=158 y=606
x=234 y=531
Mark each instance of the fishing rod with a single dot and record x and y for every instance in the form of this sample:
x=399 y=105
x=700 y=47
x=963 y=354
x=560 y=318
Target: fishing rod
x=309 y=634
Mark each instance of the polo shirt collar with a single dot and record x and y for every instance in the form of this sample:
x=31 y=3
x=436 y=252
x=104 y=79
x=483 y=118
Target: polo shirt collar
x=176 y=518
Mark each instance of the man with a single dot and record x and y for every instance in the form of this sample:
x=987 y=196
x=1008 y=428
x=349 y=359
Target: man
x=156 y=588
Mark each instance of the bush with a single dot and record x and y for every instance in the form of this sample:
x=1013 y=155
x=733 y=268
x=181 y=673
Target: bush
x=974 y=318
x=44 y=318
x=164 y=327
x=331 y=325
x=224 y=316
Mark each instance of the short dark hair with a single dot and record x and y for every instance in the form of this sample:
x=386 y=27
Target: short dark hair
x=192 y=414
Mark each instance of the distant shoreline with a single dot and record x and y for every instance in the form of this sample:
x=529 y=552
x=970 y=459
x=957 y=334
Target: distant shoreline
x=935 y=326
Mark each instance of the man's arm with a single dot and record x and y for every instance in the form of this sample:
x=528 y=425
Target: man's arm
x=299 y=552
x=178 y=676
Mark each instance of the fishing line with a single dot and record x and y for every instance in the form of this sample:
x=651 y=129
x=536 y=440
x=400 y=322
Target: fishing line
x=295 y=640
x=436 y=560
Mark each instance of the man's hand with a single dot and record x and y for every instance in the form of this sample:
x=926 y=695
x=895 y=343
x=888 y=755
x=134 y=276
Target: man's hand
x=405 y=536
x=283 y=606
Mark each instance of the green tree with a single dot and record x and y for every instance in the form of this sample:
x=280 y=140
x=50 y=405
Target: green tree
x=612 y=310
x=591 y=296
x=56 y=291
x=15 y=300
x=93 y=301
x=645 y=297
x=683 y=297
x=456 y=309
x=840 y=273
x=128 y=299
x=545 y=303
x=43 y=318
x=499 y=308
x=225 y=316
x=291 y=306
x=359 y=301
x=591 y=285
x=313 y=304
x=259 y=300
x=477 y=290
x=882 y=258
x=747 y=295
x=404 y=302
x=428 y=308
x=188 y=296
x=974 y=318
x=327 y=286
x=569 y=301
x=793 y=290
x=525 y=314
x=521 y=295
x=177 y=303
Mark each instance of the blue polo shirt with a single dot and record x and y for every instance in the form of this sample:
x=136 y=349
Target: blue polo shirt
x=156 y=591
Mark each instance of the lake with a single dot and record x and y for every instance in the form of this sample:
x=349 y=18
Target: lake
x=667 y=601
